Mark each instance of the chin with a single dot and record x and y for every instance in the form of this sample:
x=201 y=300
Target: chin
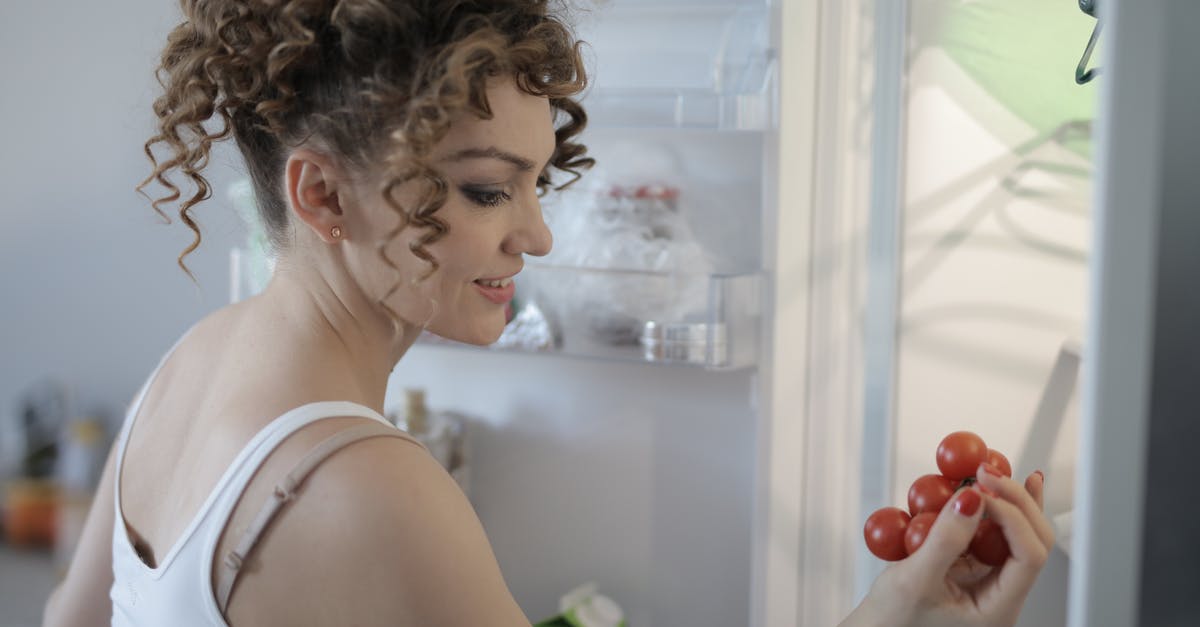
x=480 y=334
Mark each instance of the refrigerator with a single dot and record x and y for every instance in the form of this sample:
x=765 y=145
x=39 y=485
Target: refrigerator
x=882 y=225
x=733 y=492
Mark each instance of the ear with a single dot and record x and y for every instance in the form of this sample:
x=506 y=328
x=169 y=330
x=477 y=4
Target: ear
x=312 y=181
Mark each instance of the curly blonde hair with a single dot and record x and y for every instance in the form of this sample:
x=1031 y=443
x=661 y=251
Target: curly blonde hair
x=276 y=73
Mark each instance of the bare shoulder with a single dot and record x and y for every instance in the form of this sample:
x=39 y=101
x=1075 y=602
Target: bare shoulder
x=378 y=535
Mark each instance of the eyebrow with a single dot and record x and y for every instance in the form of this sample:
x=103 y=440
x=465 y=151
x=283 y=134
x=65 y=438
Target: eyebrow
x=491 y=152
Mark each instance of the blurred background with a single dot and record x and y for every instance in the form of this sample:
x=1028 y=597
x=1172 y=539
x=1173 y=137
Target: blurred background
x=92 y=293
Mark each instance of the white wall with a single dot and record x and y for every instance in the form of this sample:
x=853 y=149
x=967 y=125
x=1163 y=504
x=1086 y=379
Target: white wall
x=92 y=295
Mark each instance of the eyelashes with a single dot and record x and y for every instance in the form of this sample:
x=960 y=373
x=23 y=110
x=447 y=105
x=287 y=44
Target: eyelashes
x=488 y=195
x=485 y=197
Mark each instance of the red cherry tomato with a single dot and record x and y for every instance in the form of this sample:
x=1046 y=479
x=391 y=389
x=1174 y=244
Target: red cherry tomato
x=884 y=533
x=997 y=459
x=988 y=545
x=960 y=453
x=918 y=529
x=929 y=493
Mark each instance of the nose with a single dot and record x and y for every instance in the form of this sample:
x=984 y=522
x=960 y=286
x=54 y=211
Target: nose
x=530 y=235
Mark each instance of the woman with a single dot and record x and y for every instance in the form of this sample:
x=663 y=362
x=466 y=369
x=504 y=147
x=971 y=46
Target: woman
x=398 y=150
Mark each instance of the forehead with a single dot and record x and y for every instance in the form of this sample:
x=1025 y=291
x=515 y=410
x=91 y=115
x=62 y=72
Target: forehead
x=521 y=123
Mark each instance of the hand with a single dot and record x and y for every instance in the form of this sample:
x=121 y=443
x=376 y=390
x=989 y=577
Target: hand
x=938 y=587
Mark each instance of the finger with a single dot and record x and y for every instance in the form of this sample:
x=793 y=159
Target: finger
x=1018 y=574
x=1035 y=485
x=1029 y=504
x=949 y=536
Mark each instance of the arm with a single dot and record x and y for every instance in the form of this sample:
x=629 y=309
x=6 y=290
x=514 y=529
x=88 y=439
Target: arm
x=82 y=597
x=397 y=543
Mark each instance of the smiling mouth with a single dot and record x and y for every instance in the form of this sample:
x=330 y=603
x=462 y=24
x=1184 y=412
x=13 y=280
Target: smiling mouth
x=498 y=291
x=494 y=283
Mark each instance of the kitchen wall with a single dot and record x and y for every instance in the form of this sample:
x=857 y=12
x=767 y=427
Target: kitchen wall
x=92 y=295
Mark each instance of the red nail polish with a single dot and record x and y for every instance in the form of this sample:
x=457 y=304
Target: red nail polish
x=992 y=470
x=1040 y=475
x=967 y=502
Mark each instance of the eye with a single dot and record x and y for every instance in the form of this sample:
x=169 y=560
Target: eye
x=485 y=197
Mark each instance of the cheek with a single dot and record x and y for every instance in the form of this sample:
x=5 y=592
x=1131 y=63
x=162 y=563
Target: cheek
x=421 y=289
x=461 y=255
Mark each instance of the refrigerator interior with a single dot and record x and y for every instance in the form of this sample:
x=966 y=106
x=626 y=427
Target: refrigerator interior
x=990 y=284
x=589 y=463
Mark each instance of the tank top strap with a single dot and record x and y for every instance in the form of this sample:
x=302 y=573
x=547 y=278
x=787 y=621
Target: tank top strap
x=284 y=492
x=237 y=477
x=229 y=488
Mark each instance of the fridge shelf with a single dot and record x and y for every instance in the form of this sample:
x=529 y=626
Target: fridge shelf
x=704 y=321
x=684 y=108
x=675 y=65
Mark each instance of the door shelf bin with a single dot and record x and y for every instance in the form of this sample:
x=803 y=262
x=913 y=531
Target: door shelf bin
x=666 y=65
x=698 y=320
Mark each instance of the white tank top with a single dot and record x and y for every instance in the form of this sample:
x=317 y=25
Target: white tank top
x=179 y=591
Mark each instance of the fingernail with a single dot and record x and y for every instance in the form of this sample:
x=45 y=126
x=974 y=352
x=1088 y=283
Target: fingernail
x=992 y=470
x=986 y=490
x=967 y=502
x=1040 y=475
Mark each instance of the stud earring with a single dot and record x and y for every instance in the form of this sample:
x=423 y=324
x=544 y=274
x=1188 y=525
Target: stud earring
x=336 y=232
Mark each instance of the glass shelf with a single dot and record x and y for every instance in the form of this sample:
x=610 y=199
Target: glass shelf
x=680 y=66
x=631 y=315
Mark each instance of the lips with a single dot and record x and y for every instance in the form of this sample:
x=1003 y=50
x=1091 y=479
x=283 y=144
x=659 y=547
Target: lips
x=499 y=291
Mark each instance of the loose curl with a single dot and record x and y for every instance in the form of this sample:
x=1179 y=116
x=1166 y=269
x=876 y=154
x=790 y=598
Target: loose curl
x=277 y=73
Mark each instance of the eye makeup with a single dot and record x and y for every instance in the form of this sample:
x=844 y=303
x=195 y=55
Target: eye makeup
x=485 y=196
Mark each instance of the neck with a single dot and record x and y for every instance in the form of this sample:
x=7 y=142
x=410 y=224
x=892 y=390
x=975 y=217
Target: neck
x=333 y=324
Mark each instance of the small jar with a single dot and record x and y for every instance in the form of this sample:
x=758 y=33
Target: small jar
x=687 y=342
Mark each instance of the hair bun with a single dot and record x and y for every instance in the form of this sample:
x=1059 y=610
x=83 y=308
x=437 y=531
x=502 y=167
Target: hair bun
x=362 y=24
x=370 y=81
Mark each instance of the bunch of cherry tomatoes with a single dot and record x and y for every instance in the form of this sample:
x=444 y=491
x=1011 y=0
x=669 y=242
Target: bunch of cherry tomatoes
x=893 y=534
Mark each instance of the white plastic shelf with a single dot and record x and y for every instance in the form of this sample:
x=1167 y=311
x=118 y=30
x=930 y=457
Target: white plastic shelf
x=699 y=66
x=630 y=315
